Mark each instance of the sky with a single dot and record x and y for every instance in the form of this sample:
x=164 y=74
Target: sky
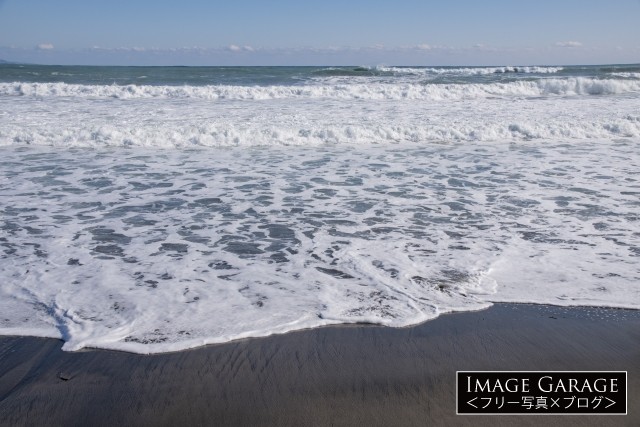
x=327 y=32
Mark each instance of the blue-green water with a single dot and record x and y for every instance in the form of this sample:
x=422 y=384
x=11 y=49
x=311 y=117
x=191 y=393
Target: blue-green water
x=263 y=76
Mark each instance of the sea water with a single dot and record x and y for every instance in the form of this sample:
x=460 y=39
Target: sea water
x=162 y=208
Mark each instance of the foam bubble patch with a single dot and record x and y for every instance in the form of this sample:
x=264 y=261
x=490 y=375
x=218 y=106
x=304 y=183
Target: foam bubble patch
x=149 y=250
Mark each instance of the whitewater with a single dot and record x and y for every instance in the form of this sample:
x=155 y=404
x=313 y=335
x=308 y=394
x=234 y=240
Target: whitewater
x=153 y=209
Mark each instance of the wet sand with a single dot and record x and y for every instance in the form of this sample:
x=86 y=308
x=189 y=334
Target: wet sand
x=341 y=376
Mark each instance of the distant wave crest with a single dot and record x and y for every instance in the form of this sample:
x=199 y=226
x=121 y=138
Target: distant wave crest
x=467 y=71
x=544 y=87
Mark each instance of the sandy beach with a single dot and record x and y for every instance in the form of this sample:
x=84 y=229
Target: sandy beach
x=346 y=375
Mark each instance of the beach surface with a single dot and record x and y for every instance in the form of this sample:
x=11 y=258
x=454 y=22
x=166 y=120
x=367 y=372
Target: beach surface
x=345 y=375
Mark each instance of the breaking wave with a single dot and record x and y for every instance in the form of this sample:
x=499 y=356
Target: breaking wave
x=466 y=71
x=544 y=87
x=216 y=134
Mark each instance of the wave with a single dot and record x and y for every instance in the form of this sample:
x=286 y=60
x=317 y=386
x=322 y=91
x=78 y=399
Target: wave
x=534 y=88
x=431 y=71
x=468 y=71
x=212 y=134
x=627 y=75
x=631 y=68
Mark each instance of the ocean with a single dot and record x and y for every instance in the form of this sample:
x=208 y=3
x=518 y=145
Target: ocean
x=154 y=209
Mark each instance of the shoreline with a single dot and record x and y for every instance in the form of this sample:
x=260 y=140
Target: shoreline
x=594 y=308
x=350 y=374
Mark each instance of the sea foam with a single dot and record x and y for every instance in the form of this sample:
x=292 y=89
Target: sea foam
x=149 y=251
x=159 y=217
x=471 y=71
x=68 y=115
x=542 y=87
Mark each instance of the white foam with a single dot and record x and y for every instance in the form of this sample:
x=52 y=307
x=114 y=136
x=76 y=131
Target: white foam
x=177 y=122
x=472 y=71
x=360 y=218
x=365 y=91
x=627 y=75
x=148 y=250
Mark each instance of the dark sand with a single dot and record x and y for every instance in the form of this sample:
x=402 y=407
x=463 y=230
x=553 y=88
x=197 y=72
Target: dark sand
x=347 y=375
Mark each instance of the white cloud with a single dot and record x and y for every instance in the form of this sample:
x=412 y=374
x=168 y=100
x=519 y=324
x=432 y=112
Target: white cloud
x=44 y=46
x=569 y=43
x=236 y=48
x=423 y=46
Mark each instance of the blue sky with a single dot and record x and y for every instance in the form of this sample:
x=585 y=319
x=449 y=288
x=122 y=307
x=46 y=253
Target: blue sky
x=327 y=32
